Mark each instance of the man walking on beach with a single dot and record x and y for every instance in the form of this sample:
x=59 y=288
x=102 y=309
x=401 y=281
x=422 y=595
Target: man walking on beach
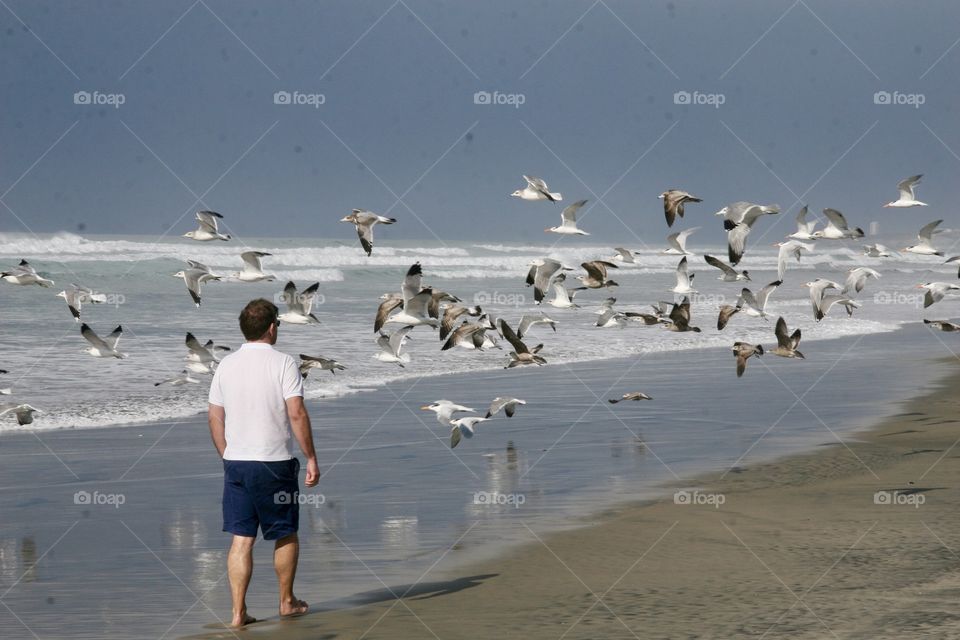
x=256 y=409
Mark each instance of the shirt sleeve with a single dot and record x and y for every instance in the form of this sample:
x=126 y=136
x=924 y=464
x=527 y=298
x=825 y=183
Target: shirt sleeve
x=291 y=380
x=216 y=396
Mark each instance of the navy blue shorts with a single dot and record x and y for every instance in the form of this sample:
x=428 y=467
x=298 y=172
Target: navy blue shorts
x=261 y=494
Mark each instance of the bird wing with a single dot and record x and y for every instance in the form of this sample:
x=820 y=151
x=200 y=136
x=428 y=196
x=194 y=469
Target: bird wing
x=835 y=219
x=569 y=215
x=395 y=340
x=93 y=338
x=926 y=233
x=783 y=339
x=251 y=260
x=512 y=338
x=208 y=220
x=719 y=264
x=412 y=281
x=737 y=242
x=417 y=305
x=765 y=293
x=290 y=297
x=905 y=187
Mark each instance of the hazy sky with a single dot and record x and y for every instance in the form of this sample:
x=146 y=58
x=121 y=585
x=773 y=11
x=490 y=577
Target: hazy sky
x=399 y=130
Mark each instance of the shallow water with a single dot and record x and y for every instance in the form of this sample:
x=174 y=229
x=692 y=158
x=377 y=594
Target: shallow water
x=395 y=504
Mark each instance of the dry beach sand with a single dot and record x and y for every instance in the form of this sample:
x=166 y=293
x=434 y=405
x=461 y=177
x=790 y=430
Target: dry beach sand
x=804 y=547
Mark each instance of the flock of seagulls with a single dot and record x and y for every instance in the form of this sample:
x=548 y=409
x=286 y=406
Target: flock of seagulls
x=458 y=325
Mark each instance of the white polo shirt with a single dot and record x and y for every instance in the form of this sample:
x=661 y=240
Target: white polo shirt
x=252 y=385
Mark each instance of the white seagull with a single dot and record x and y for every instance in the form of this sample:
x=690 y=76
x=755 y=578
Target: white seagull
x=837 y=228
x=791 y=248
x=877 y=251
x=23 y=412
x=416 y=300
x=684 y=278
x=23 y=274
x=463 y=428
x=102 y=347
x=507 y=404
x=528 y=321
x=252 y=268
x=176 y=381
x=906 y=197
x=364 y=221
x=678 y=242
x=562 y=297
x=299 y=305
x=624 y=255
x=935 y=291
x=391 y=345
x=75 y=296
x=857 y=279
x=445 y=410
x=536 y=189
x=805 y=230
x=207 y=230
x=924 y=246
x=195 y=276
x=568 y=218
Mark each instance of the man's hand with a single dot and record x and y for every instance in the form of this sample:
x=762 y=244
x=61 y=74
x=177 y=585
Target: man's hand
x=313 y=473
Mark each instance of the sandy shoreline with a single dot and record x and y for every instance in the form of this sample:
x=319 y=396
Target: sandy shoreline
x=803 y=547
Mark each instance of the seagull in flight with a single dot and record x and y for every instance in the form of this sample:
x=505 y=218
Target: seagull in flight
x=906 y=197
x=568 y=217
x=207 y=229
x=102 y=347
x=364 y=222
x=536 y=189
x=23 y=274
x=924 y=246
x=673 y=201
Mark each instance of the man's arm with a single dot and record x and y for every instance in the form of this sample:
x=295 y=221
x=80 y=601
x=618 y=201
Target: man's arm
x=302 y=431
x=215 y=418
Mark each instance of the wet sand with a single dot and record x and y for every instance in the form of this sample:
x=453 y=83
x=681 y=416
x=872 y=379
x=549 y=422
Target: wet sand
x=804 y=547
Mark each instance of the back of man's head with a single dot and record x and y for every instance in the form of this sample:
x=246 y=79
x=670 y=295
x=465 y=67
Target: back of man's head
x=256 y=318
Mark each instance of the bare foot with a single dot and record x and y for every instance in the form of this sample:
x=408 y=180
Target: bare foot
x=242 y=619
x=293 y=607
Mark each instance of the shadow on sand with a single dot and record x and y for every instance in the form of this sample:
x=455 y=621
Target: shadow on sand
x=294 y=627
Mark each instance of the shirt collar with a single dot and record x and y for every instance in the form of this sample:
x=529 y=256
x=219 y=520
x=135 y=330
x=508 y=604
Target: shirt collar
x=256 y=345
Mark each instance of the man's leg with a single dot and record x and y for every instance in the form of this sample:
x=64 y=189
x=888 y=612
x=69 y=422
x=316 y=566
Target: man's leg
x=285 y=556
x=240 y=569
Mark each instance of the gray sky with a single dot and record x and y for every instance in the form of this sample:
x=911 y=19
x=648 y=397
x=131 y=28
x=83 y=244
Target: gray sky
x=399 y=130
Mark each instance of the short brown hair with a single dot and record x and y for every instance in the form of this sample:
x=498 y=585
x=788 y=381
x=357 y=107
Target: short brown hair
x=257 y=317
